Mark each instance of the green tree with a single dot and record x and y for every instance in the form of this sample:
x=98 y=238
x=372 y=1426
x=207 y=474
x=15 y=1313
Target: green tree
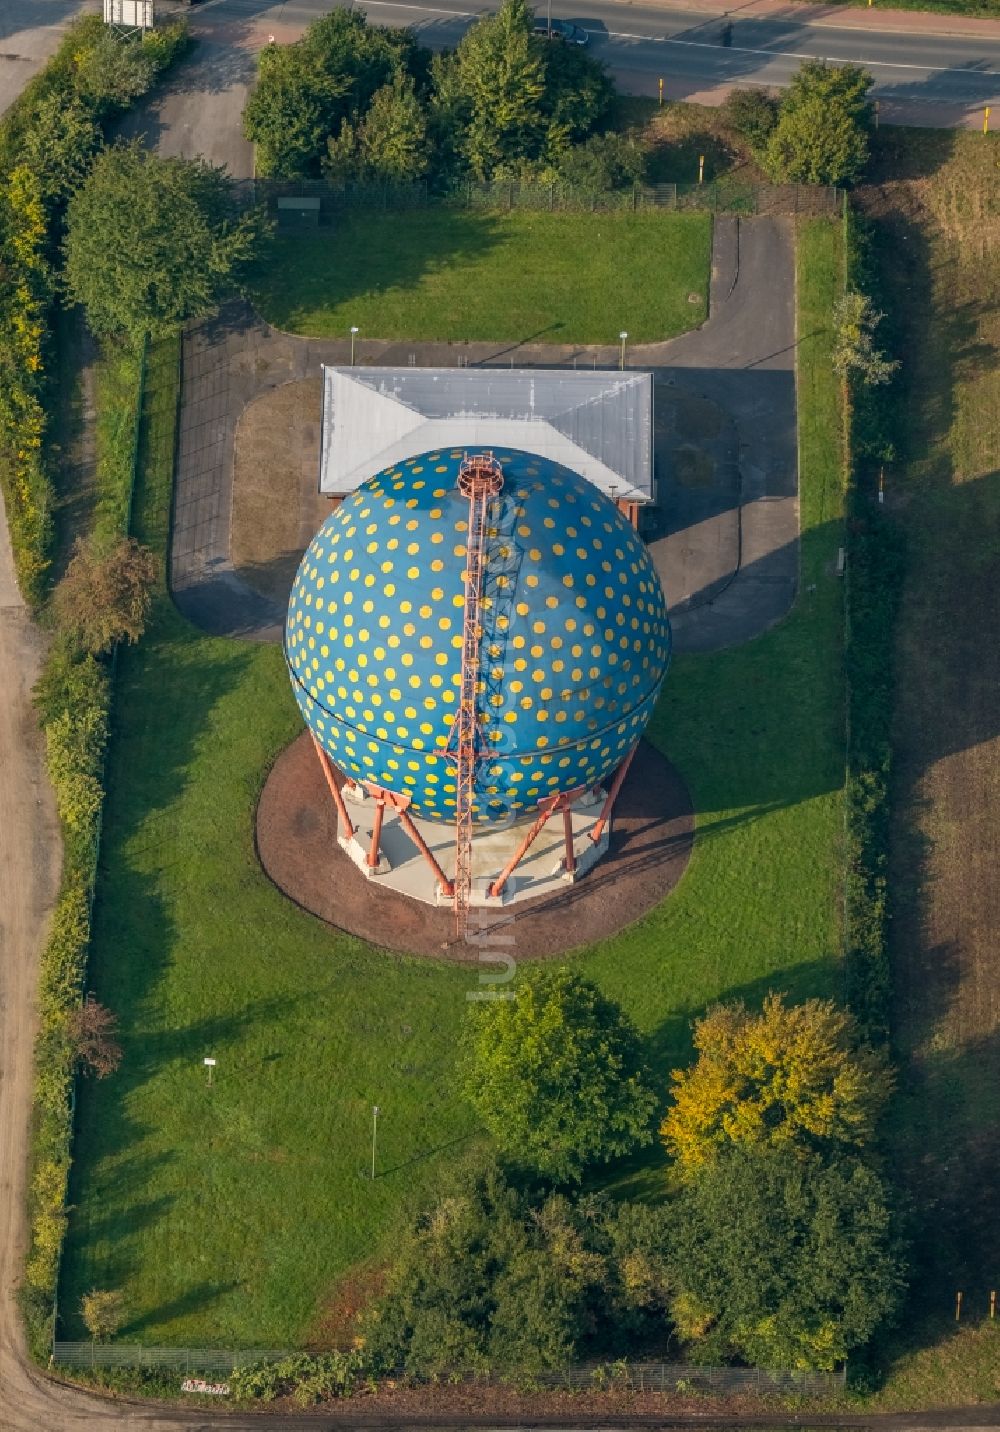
x=500 y=70
x=556 y=1074
x=855 y=320
x=394 y=139
x=151 y=242
x=103 y=1312
x=790 y=1075
x=59 y=146
x=784 y=1261
x=306 y=91
x=822 y=134
x=293 y=109
x=577 y=97
x=105 y=596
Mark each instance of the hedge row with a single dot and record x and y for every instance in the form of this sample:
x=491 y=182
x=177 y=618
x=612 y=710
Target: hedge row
x=72 y=699
x=48 y=139
x=875 y=565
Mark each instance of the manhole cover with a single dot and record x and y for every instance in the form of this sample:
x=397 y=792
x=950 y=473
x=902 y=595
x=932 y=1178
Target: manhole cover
x=694 y=298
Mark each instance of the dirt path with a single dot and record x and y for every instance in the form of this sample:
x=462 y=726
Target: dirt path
x=29 y=875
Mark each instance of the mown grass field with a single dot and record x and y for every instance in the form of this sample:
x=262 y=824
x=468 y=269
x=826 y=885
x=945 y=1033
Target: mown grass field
x=229 y=1214
x=464 y=274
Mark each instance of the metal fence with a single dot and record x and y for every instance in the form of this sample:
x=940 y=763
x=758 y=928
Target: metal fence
x=633 y=1376
x=727 y=195
x=177 y=1359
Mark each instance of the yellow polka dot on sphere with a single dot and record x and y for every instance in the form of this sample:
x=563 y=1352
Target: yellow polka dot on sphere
x=566 y=582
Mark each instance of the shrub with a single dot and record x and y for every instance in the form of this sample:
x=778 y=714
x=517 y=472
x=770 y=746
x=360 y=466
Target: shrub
x=48 y=139
x=307 y=1379
x=603 y=163
x=494 y=1277
x=103 y=1312
x=105 y=596
x=114 y=71
x=753 y=114
x=876 y=562
x=91 y=1033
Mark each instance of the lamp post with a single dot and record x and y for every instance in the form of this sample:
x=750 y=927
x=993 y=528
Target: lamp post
x=354 y=333
x=375 y=1113
x=624 y=339
x=548 y=18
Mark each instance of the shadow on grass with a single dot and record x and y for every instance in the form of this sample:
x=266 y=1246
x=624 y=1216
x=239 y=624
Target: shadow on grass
x=196 y=1299
x=298 y=278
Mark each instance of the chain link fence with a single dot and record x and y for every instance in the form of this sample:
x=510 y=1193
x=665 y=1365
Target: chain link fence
x=635 y=1376
x=727 y=195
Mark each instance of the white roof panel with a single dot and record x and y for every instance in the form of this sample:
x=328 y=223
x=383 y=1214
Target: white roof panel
x=598 y=423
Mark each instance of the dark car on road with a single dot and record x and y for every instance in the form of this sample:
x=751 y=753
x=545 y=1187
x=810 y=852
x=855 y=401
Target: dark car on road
x=562 y=30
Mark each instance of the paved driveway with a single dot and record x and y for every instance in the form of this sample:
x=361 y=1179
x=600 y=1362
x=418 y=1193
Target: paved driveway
x=725 y=437
x=30 y=30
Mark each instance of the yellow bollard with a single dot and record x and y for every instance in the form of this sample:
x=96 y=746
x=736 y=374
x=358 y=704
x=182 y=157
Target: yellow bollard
x=660 y=82
x=701 y=168
x=986 y=120
x=958 y=1307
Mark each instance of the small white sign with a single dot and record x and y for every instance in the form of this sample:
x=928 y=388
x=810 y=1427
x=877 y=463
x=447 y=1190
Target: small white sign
x=209 y=1062
x=131 y=14
x=210 y=1389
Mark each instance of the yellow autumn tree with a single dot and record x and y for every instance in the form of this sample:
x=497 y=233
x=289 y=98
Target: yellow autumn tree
x=791 y=1075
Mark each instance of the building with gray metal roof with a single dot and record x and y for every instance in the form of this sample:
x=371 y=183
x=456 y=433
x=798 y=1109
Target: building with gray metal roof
x=598 y=423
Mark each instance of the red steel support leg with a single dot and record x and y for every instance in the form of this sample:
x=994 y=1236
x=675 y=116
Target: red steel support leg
x=446 y=885
x=376 y=833
x=343 y=819
x=570 y=860
x=498 y=885
x=609 y=804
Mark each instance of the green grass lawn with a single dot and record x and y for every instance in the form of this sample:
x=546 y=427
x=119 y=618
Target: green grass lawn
x=457 y=274
x=227 y=1215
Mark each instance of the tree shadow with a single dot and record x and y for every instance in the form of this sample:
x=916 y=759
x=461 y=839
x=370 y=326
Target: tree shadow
x=944 y=1128
x=362 y=257
x=197 y=1298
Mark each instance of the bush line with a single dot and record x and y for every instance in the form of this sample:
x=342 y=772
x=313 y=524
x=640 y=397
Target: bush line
x=73 y=700
x=48 y=138
x=875 y=562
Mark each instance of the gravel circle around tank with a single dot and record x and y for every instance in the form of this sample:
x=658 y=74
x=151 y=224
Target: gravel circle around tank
x=651 y=839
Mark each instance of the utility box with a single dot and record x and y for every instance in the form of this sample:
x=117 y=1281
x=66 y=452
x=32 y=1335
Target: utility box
x=300 y=212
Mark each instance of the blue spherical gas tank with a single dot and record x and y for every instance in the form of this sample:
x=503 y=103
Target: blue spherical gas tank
x=573 y=646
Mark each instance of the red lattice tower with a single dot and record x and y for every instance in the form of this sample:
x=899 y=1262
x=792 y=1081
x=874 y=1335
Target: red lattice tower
x=480 y=478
